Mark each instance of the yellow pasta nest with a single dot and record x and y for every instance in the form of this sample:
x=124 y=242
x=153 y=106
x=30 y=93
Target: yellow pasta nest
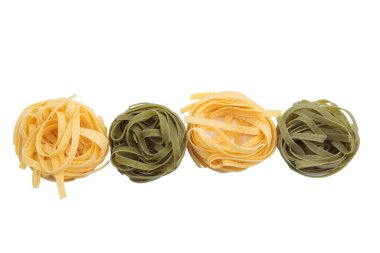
x=228 y=132
x=60 y=140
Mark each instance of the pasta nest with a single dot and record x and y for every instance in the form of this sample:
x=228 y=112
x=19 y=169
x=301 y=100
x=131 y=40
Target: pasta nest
x=317 y=139
x=148 y=141
x=228 y=132
x=60 y=140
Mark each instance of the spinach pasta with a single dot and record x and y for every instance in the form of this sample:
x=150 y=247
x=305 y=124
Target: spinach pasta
x=148 y=141
x=317 y=139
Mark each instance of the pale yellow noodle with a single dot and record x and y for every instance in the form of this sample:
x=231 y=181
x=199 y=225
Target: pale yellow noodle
x=60 y=140
x=228 y=132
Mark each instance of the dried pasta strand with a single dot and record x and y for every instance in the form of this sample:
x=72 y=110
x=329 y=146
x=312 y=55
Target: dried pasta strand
x=228 y=132
x=60 y=140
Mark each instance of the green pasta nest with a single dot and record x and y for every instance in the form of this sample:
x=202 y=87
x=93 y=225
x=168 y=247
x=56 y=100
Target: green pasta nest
x=317 y=139
x=147 y=141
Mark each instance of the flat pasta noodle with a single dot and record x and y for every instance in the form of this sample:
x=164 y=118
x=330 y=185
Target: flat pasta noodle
x=60 y=140
x=148 y=141
x=228 y=132
x=317 y=139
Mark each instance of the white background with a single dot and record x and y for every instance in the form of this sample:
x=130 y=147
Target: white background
x=116 y=53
